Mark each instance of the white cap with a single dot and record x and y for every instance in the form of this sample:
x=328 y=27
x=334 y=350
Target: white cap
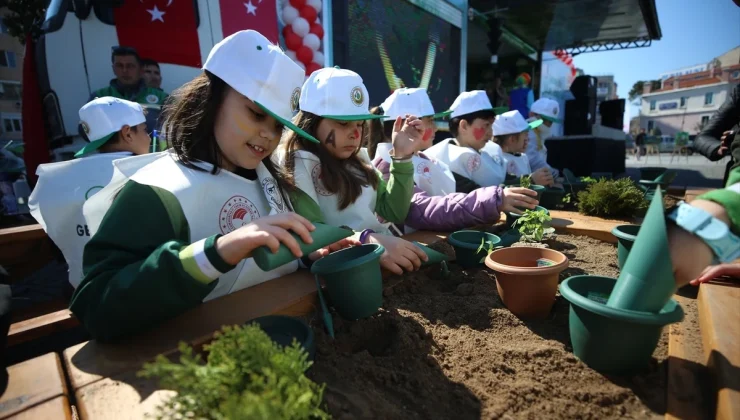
x=546 y=108
x=338 y=94
x=473 y=101
x=512 y=122
x=259 y=70
x=409 y=101
x=103 y=117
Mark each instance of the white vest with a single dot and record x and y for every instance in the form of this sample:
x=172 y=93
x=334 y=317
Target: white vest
x=56 y=202
x=432 y=176
x=359 y=215
x=484 y=169
x=212 y=204
x=517 y=165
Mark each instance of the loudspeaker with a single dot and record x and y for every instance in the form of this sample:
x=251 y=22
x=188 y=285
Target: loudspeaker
x=584 y=87
x=612 y=113
x=580 y=115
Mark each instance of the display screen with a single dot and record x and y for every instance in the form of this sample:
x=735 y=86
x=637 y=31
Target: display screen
x=394 y=44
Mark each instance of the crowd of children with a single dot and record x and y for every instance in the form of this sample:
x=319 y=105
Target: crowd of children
x=257 y=153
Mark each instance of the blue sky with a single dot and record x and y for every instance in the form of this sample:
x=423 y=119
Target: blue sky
x=694 y=32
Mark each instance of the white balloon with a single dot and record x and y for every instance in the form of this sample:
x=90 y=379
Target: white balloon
x=292 y=55
x=301 y=27
x=312 y=41
x=318 y=58
x=290 y=14
x=316 y=4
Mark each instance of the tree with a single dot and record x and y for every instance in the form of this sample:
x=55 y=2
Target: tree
x=636 y=91
x=24 y=17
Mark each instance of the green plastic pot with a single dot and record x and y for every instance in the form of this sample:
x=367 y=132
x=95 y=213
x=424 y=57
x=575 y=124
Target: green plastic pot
x=539 y=189
x=323 y=235
x=512 y=217
x=607 y=339
x=626 y=235
x=434 y=257
x=467 y=243
x=551 y=198
x=353 y=280
x=650 y=173
x=284 y=329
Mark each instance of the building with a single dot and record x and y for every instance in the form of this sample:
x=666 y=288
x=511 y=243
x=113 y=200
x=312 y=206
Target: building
x=686 y=101
x=11 y=73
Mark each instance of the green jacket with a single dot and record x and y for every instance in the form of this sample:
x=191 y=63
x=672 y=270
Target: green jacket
x=144 y=95
x=729 y=198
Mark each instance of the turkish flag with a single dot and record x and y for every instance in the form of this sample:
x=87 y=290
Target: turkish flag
x=258 y=15
x=36 y=150
x=161 y=30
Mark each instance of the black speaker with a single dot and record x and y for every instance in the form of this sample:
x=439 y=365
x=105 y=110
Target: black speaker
x=612 y=113
x=584 y=87
x=580 y=115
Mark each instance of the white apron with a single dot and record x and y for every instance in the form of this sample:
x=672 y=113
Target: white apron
x=517 y=165
x=359 y=215
x=484 y=169
x=212 y=204
x=56 y=202
x=431 y=175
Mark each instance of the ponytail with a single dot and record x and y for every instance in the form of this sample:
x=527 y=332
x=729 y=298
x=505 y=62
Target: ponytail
x=379 y=131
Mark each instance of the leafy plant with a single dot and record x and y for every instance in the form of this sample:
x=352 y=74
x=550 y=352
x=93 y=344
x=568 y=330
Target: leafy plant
x=612 y=198
x=486 y=246
x=587 y=180
x=532 y=225
x=567 y=198
x=24 y=17
x=246 y=375
x=525 y=181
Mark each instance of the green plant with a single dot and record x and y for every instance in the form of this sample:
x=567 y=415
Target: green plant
x=567 y=198
x=612 y=198
x=246 y=375
x=587 y=180
x=532 y=225
x=486 y=246
x=525 y=181
x=24 y=17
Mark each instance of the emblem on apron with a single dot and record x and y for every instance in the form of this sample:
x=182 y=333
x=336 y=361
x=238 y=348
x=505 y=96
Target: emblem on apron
x=235 y=213
x=473 y=163
x=317 y=182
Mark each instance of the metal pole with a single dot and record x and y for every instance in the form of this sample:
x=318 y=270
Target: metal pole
x=464 y=47
x=328 y=23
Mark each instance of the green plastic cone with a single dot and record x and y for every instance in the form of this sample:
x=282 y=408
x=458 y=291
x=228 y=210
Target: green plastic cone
x=323 y=235
x=646 y=281
x=435 y=257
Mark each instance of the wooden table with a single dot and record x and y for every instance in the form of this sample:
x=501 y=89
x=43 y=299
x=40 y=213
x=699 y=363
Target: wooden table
x=24 y=249
x=36 y=390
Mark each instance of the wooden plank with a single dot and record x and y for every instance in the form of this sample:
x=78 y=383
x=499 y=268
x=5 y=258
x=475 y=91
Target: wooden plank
x=579 y=224
x=57 y=408
x=31 y=329
x=17 y=234
x=692 y=193
x=124 y=396
x=31 y=383
x=686 y=394
x=719 y=306
x=24 y=249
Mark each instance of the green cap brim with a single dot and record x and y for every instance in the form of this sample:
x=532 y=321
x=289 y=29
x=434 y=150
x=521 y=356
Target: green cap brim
x=289 y=124
x=551 y=119
x=500 y=110
x=534 y=124
x=354 y=117
x=439 y=115
x=93 y=146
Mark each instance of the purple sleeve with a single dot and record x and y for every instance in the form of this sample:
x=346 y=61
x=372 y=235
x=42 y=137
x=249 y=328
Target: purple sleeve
x=452 y=211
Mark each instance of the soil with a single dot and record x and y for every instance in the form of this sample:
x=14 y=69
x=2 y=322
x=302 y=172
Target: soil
x=448 y=348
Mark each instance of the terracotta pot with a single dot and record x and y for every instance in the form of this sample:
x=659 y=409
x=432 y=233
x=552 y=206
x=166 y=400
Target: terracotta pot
x=527 y=279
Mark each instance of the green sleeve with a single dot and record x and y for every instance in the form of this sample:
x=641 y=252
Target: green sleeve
x=729 y=198
x=304 y=205
x=394 y=197
x=140 y=267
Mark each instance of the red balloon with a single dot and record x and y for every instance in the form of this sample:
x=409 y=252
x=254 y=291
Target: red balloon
x=293 y=41
x=298 y=4
x=287 y=29
x=305 y=55
x=317 y=30
x=308 y=13
x=312 y=67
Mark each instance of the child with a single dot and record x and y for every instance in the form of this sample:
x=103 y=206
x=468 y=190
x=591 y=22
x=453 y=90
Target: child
x=334 y=181
x=116 y=128
x=435 y=205
x=547 y=110
x=510 y=132
x=182 y=226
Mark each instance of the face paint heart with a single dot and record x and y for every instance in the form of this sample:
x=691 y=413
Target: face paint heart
x=478 y=133
x=427 y=134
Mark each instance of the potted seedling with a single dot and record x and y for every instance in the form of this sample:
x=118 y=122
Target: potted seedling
x=533 y=225
x=526 y=182
x=511 y=218
x=612 y=198
x=245 y=375
x=471 y=245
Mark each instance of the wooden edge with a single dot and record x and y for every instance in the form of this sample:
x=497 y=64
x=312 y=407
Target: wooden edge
x=57 y=408
x=22 y=233
x=31 y=329
x=31 y=383
x=718 y=319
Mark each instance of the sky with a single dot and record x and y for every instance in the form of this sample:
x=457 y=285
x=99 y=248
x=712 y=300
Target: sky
x=694 y=32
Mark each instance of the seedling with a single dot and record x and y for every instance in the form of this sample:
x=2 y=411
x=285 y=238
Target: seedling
x=486 y=246
x=567 y=198
x=532 y=225
x=587 y=180
x=525 y=181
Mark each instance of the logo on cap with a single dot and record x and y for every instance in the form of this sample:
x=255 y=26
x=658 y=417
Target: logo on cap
x=294 y=99
x=235 y=213
x=85 y=127
x=152 y=99
x=555 y=111
x=357 y=96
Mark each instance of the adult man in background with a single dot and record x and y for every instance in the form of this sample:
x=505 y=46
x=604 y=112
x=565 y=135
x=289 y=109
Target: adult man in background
x=714 y=140
x=152 y=75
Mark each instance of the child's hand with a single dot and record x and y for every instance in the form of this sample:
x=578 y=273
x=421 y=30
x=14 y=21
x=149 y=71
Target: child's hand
x=336 y=246
x=399 y=254
x=542 y=176
x=713 y=271
x=407 y=136
x=518 y=197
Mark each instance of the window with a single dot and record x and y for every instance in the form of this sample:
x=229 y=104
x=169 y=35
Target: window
x=708 y=98
x=736 y=74
x=704 y=120
x=7 y=59
x=10 y=91
x=652 y=105
x=683 y=101
x=3 y=28
x=12 y=125
x=651 y=125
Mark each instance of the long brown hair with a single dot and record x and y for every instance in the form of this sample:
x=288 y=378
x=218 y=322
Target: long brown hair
x=190 y=119
x=379 y=131
x=345 y=178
